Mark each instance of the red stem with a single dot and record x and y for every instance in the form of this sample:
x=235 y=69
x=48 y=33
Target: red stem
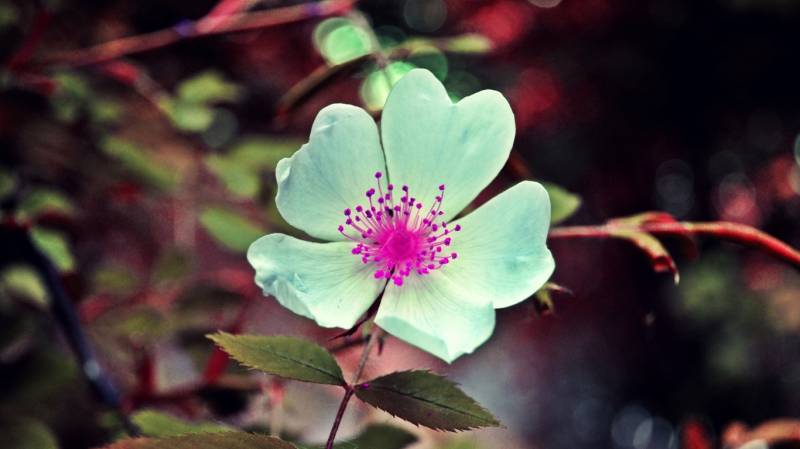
x=207 y=26
x=339 y=415
x=31 y=42
x=219 y=359
x=734 y=232
x=350 y=388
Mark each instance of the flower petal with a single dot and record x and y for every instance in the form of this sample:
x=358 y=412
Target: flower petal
x=437 y=315
x=331 y=172
x=321 y=281
x=502 y=250
x=429 y=141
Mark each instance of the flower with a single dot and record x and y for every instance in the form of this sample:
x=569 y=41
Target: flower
x=387 y=210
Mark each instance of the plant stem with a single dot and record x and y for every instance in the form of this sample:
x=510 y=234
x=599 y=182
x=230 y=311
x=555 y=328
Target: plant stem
x=339 y=414
x=16 y=239
x=207 y=26
x=735 y=232
x=350 y=389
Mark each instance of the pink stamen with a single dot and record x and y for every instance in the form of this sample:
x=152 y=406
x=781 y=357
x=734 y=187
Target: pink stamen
x=396 y=237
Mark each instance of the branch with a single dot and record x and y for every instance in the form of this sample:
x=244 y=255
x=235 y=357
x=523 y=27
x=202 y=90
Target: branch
x=207 y=26
x=17 y=240
x=31 y=42
x=735 y=232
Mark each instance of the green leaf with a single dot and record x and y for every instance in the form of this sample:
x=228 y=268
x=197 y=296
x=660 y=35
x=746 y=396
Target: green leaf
x=226 y=440
x=380 y=436
x=468 y=43
x=105 y=111
x=27 y=434
x=239 y=179
x=45 y=200
x=543 y=298
x=8 y=181
x=431 y=58
x=339 y=40
x=188 y=116
x=114 y=279
x=9 y=15
x=70 y=96
x=287 y=357
x=376 y=86
x=424 y=398
x=562 y=202
x=241 y=167
x=230 y=229
x=23 y=281
x=173 y=265
x=141 y=164
x=55 y=246
x=157 y=424
x=208 y=87
x=377 y=436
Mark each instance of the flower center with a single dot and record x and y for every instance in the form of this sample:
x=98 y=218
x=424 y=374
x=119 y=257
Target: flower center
x=400 y=237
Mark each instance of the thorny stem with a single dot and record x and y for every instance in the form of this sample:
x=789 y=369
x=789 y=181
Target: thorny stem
x=734 y=232
x=350 y=389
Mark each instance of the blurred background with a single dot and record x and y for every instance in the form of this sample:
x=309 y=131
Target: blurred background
x=144 y=168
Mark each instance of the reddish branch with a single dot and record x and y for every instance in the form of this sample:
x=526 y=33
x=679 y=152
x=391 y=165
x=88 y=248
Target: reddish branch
x=350 y=388
x=734 y=232
x=31 y=42
x=207 y=26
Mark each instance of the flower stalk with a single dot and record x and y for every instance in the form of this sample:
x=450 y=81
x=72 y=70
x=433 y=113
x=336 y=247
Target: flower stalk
x=374 y=336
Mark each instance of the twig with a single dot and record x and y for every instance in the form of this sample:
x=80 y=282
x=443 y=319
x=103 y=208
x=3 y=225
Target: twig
x=17 y=239
x=31 y=42
x=207 y=26
x=362 y=362
x=735 y=232
x=350 y=388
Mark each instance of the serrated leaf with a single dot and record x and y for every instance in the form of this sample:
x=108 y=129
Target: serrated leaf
x=153 y=423
x=230 y=229
x=287 y=357
x=424 y=398
x=562 y=202
x=226 y=440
